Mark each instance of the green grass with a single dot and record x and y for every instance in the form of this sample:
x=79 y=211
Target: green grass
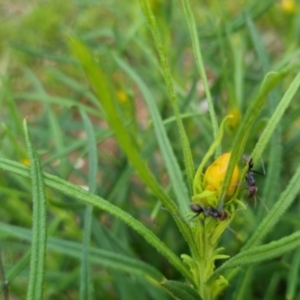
x=111 y=112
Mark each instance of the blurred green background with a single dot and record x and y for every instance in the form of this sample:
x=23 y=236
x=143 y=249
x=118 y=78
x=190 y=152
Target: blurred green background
x=41 y=80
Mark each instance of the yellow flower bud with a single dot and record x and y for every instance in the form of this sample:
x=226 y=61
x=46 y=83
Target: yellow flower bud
x=122 y=97
x=215 y=174
x=235 y=119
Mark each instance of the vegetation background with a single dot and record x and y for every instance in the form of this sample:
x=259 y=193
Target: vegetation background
x=42 y=81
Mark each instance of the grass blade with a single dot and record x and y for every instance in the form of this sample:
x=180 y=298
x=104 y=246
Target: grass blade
x=200 y=65
x=85 y=278
x=39 y=226
x=292 y=281
x=188 y=160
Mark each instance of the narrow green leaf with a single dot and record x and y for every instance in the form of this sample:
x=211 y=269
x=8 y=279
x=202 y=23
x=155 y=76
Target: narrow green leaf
x=200 y=65
x=188 y=160
x=85 y=278
x=40 y=52
x=39 y=226
x=7 y=99
x=272 y=289
x=92 y=153
x=75 y=85
x=258 y=45
x=244 y=284
x=102 y=257
x=293 y=278
x=18 y=267
x=260 y=253
x=100 y=136
x=82 y=195
x=238 y=52
x=54 y=128
x=61 y=101
x=183 y=116
x=180 y=290
x=270 y=192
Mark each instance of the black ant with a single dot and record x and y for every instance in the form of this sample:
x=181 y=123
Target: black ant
x=208 y=211
x=252 y=188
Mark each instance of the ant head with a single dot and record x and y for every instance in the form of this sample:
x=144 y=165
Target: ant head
x=248 y=160
x=196 y=208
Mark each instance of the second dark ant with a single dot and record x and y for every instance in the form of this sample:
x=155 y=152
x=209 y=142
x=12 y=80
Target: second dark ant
x=208 y=211
x=252 y=188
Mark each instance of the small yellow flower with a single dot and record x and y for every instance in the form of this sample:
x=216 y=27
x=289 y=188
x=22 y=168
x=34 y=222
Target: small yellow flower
x=215 y=174
x=122 y=96
x=25 y=161
x=288 y=6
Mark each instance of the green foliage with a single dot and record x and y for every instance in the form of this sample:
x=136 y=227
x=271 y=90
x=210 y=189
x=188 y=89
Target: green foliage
x=39 y=231
x=126 y=105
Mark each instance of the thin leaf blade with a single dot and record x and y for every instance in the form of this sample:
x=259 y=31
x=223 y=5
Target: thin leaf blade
x=39 y=225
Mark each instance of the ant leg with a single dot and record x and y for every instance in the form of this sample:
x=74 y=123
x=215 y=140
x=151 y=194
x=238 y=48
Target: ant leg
x=193 y=217
x=238 y=236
